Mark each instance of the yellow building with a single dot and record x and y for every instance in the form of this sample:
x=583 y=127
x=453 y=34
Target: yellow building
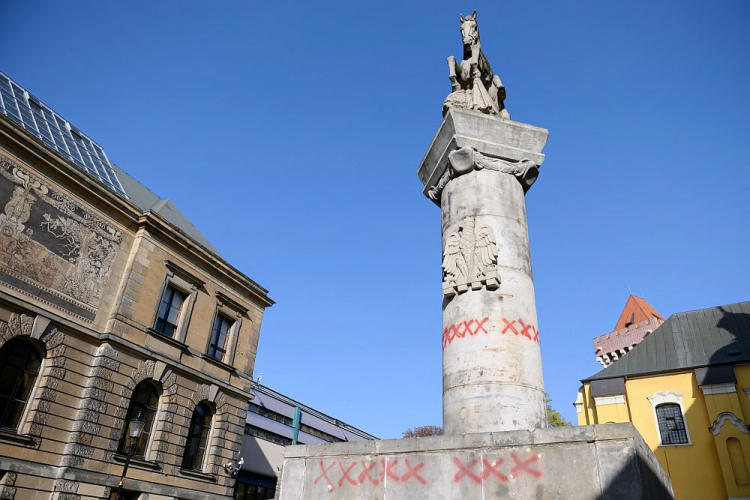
x=686 y=388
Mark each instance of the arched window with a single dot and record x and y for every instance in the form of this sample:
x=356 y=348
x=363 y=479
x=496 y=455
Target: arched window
x=19 y=366
x=197 y=439
x=671 y=424
x=145 y=399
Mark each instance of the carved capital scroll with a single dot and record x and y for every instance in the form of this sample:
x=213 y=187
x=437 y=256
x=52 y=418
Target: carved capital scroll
x=467 y=159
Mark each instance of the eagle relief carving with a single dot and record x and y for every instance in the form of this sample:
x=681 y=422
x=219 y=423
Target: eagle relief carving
x=469 y=259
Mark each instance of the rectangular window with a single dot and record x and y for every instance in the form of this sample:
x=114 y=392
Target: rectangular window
x=169 y=311
x=252 y=492
x=265 y=412
x=217 y=346
x=267 y=435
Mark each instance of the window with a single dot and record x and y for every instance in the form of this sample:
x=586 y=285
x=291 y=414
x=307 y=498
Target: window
x=197 y=439
x=217 y=346
x=126 y=495
x=145 y=399
x=669 y=418
x=20 y=362
x=319 y=434
x=169 y=311
x=671 y=424
x=278 y=417
x=252 y=430
x=243 y=491
x=265 y=412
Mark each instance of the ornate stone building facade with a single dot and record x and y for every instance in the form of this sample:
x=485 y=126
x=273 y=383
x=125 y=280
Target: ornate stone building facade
x=111 y=304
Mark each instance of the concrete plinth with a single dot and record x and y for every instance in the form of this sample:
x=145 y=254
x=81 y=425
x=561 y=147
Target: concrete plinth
x=492 y=367
x=593 y=462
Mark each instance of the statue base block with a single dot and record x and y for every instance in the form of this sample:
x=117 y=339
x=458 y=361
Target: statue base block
x=590 y=462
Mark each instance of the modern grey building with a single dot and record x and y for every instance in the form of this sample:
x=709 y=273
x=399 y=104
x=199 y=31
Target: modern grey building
x=273 y=422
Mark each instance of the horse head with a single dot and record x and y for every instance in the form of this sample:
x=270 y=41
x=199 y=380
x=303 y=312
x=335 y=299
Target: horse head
x=469 y=30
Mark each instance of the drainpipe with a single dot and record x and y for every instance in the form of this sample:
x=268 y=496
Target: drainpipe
x=295 y=423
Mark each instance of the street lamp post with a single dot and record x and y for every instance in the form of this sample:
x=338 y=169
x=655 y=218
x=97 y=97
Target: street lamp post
x=135 y=427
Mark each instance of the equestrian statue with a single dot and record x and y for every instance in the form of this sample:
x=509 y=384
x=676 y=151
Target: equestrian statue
x=474 y=84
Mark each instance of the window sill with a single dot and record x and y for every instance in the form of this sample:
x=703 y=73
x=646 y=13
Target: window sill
x=11 y=437
x=218 y=363
x=138 y=463
x=676 y=444
x=168 y=340
x=194 y=474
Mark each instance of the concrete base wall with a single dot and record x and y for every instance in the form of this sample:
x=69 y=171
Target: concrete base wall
x=604 y=461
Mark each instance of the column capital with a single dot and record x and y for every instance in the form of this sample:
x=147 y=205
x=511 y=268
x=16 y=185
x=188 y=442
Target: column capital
x=496 y=140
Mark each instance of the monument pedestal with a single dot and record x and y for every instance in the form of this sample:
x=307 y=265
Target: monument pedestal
x=592 y=462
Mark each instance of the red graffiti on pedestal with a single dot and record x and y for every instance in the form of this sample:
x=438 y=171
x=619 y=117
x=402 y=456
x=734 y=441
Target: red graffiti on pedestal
x=389 y=471
x=478 y=475
x=523 y=466
x=341 y=474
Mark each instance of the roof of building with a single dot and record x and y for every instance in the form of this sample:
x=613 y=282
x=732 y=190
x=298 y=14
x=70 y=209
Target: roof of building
x=693 y=339
x=636 y=309
x=279 y=403
x=55 y=132
x=144 y=199
x=59 y=135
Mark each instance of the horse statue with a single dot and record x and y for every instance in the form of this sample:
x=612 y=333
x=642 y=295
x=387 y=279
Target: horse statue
x=474 y=84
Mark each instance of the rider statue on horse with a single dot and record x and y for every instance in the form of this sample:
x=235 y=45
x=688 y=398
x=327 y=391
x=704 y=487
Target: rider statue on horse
x=474 y=84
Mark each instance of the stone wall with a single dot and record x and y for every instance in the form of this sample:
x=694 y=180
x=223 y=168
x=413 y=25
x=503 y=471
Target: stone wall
x=592 y=462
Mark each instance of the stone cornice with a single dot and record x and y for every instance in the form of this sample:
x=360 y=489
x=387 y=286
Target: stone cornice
x=206 y=259
x=492 y=136
x=467 y=159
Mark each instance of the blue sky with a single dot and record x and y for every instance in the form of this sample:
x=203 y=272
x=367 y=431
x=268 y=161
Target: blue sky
x=291 y=133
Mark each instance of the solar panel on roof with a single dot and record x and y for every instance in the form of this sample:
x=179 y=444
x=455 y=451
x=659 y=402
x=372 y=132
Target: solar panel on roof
x=56 y=132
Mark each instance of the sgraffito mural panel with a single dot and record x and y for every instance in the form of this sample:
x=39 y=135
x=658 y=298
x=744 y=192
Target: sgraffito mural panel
x=51 y=247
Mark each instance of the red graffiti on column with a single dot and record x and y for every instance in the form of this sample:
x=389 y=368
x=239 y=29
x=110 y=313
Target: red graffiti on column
x=526 y=330
x=460 y=329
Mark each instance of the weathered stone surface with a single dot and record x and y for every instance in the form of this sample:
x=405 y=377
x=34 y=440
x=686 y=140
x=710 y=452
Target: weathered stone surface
x=494 y=137
x=492 y=370
x=561 y=463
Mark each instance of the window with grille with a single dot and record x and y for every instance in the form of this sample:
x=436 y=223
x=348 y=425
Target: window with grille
x=19 y=366
x=169 y=311
x=671 y=424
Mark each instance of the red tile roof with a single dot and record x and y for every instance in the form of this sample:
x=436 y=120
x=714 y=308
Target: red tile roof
x=636 y=310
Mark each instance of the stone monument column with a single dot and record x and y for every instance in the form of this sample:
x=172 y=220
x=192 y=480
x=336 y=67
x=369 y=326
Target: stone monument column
x=477 y=170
